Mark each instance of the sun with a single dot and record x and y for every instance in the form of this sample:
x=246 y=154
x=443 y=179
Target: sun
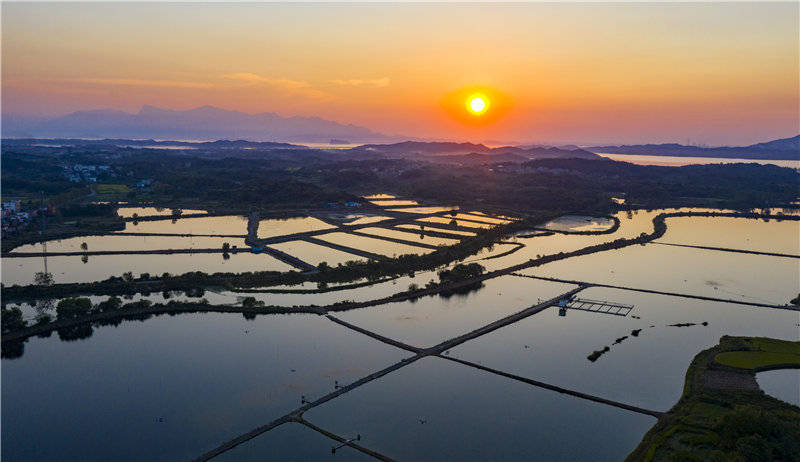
x=477 y=104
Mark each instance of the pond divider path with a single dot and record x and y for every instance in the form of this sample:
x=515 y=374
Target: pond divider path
x=392 y=239
x=661 y=292
x=133 y=233
x=113 y=252
x=346 y=249
x=436 y=351
x=726 y=249
x=399 y=219
x=556 y=388
x=344 y=441
x=426 y=232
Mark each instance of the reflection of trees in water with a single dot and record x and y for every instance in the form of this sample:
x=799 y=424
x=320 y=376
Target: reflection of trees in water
x=84 y=259
x=13 y=350
x=43 y=278
x=195 y=292
x=44 y=306
x=461 y=291
x=81 y=331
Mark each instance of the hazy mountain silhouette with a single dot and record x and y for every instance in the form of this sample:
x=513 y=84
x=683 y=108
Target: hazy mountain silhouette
x=782 y=149
x=468 y=152
x=202 y=123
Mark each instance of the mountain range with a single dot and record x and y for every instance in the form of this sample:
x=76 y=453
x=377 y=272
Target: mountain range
x=782 y=149
x=202 y=123
x=470 y=153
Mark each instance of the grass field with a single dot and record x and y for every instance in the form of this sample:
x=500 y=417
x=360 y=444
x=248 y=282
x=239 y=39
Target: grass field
x=763 y=353
x=109 y=189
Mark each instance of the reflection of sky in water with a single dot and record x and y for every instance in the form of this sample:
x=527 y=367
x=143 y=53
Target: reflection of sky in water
x=208 y=376
x=783 y=384
x=101 y=267
x=647 y=370
x=128 y=212
x=219 y=375
x=369 y=244
x=579 y=223
x=473 y=415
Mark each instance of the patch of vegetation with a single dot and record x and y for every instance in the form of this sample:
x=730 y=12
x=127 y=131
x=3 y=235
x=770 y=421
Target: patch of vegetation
x=596 y=354
x=730 y=423
x=11 y=319
x=112 y=189
x=767 y=354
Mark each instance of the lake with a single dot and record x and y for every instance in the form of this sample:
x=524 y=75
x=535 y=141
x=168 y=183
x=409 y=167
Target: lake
x=677 y=161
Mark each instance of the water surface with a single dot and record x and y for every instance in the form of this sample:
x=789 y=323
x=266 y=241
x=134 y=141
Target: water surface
x=783 y=384
x=171 y=388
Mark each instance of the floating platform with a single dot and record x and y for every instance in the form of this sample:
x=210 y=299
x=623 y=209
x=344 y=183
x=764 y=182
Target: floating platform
x=594 y=306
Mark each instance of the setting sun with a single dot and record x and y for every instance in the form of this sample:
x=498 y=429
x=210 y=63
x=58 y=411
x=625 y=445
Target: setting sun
x=477 y=104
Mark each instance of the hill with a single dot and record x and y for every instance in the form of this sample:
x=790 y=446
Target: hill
x=465 y=152
x=782 y=149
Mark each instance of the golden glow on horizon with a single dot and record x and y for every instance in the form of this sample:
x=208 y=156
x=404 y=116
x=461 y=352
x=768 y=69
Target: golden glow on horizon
x=700 y=71
x=478 y=104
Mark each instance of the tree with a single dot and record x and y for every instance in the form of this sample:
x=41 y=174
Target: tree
x=12 y=319
x=251 y=302
x=127 y=277
x=112 y=304
x=73 y=308
x=323 y=266
x=84 y=246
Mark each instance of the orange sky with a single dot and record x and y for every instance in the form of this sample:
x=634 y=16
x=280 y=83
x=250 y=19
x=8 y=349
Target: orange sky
x=718 y=73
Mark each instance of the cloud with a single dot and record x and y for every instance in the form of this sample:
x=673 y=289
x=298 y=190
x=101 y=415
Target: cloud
x=277 y=82
x=291 y=87
x=141 y=83
x=374 y=83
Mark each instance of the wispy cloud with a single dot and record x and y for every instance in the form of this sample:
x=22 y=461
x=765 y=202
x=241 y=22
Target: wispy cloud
x=374 y=83
x=251 y=78
x=292 y=87
x=141 y=83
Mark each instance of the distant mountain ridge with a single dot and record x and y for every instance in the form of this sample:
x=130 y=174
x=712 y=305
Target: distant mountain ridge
x=468 y=152
x=782 y=149
x=202 y=123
